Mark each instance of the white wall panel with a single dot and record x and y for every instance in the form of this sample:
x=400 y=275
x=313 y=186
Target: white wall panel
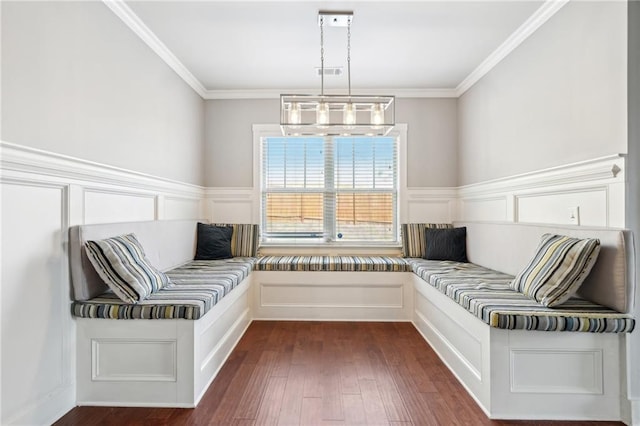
x=566 y=371
x=105 y=207
x=430 y=205
x=233 y=205
x=481 y=209
x=37 y=332
x=375 y=296
x=429 y=211
x=556 y=207
x=182 y=208
x=156 y=360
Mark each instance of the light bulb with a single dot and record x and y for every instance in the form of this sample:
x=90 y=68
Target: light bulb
x=349 y=115
x=377 y=115
x=322 y=113
x=294 y=113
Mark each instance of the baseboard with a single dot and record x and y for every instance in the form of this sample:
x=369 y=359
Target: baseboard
x=48 y=409
x=634 y=418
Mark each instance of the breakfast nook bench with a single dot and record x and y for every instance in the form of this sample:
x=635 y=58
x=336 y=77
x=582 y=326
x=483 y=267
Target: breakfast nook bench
x=516 y=357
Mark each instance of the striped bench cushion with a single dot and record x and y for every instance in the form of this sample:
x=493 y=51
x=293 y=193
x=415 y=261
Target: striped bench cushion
x=195 y=288
x=487 y=294
x=333 y=263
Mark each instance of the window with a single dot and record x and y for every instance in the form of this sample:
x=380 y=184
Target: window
x=329 y=189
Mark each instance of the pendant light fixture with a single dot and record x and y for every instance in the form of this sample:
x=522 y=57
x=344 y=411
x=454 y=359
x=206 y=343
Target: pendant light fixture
x=305 y=115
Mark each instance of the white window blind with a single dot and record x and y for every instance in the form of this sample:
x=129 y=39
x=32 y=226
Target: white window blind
x=340 y=189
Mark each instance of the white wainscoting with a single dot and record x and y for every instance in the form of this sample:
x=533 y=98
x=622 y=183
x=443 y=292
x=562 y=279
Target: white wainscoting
x=232 y=205
x=428 y=205
x=242 y=205
x=370 y=296
x=594 y=187
x=43 y=194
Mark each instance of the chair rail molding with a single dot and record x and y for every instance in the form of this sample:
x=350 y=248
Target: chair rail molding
x=584 y=193
x=25 y=159
x=112 y=193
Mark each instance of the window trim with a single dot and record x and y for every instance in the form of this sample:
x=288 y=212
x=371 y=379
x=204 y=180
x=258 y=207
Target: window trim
x=273 y=130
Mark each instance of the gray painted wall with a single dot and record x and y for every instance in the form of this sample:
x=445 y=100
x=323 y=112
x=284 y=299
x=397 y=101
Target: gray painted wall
x=559 y=98
x=431 y=145
x=633 y=189
x=228 y=151
x=77 y=81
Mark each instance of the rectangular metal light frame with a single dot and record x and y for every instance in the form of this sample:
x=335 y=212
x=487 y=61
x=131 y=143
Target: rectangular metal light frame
x=308 y=126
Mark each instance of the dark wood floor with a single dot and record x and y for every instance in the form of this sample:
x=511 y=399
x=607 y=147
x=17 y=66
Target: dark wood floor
x=322 y=373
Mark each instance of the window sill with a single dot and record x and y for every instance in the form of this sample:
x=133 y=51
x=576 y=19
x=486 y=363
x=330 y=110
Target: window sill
x=287 y=249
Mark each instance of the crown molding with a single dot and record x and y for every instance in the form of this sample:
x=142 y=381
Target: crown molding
x=275 y=93
x=535 y=21
x=124 y=12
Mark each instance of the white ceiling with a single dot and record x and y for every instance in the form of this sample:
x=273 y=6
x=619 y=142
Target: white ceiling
x=270 y=46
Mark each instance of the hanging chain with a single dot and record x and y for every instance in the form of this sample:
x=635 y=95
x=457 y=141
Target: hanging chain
x=321 y=55
x=349 y=54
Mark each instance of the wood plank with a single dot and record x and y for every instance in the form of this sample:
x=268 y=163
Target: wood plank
x=252 y=395
x=349 y=383
x=224 y=414
x=331 y=396
x=391 y=399
x=354 y=409
x=269 y=411
x=418 y=410
x=292 y=397
x=312 y=414
x=372 y=402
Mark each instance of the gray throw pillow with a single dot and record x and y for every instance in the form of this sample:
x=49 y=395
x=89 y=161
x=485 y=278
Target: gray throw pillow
x=214 y=242
x=446 y=244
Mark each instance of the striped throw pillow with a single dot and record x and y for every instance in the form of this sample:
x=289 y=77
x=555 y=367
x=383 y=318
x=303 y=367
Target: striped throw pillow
x=558 y=269
x=123 y=266
x=244 y=242
x=413 y=240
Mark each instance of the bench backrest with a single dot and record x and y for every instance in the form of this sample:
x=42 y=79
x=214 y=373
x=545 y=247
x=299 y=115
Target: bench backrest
x=508 y=247
x=167 y=244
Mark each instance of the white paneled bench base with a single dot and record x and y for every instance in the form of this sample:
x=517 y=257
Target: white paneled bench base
x=352 y=288
x=166 y=350
x=523 y=374
x=164 y=363
x=334 y=296
x=526 y=373
x=512 y=368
